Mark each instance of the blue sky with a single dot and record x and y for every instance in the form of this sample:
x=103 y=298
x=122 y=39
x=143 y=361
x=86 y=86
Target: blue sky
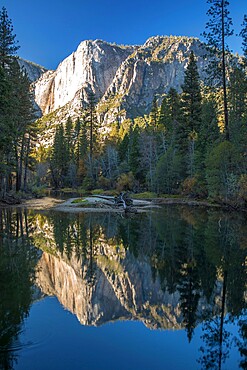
x=48 y=31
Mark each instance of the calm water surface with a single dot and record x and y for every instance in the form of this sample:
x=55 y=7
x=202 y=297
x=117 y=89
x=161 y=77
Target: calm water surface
x=162 y=290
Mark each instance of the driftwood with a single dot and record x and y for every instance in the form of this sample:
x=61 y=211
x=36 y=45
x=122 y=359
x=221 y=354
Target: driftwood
x=122 y=202
x=125 y=202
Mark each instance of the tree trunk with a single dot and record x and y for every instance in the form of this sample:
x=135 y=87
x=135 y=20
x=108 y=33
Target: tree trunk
x=19 y=164
x=222 y=317
x=224 y=71
x=26 y=164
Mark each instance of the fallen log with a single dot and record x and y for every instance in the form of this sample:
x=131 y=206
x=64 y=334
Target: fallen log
x=123 y=200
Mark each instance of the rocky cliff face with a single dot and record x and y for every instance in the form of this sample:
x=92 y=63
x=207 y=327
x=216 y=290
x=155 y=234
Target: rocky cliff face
x=152 y=70
x=34 y=71
x=124 y=79
x=91 y=68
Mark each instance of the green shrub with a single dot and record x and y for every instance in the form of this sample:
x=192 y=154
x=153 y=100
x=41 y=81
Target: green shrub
x=145 y=195
x=125 y=182
x=221 y=172
x=80 y=201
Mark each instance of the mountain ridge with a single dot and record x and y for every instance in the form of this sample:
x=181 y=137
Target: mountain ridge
x=123 y=78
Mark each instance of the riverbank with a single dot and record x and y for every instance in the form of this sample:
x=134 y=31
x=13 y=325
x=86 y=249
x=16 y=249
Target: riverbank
x=35 y=203
x=94 y=203
x=102 y=204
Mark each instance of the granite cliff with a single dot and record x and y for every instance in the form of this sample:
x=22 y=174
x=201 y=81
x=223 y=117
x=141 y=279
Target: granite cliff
x=92 y=67
x=34 y=71
x=124 y=79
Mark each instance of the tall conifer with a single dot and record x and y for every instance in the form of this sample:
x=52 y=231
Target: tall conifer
x=243 y=34
x=191 y=109
x=8 y=44
x=191 y=96
x=218 y=29
x=16 y=109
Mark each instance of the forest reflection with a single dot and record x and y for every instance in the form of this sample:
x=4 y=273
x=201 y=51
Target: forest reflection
x=18 y=260
x=175 y=268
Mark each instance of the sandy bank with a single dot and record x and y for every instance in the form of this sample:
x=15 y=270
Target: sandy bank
x=40 y=204
x=99 y=205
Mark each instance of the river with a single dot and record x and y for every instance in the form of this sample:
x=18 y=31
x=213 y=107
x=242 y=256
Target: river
x=164 y=289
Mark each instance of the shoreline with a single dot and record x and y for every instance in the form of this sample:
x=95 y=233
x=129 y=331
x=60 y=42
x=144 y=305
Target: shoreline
x=34 y=203
x=142 y=205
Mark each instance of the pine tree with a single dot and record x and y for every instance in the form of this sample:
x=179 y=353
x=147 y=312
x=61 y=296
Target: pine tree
x=92 y=125
x=191 y=96
x=219 y=29
x=22 y=118
x=58 y=162
x=77 y=140
x=5 y=129
x=209 y=132
x=123 y=148
x=191 y=109
x=168 y=171
x=8 y=45
x=148 y=147
x=68 y=139
x=243 y=34
x=16 y=110
x=7 y=102
x=154 y=113
x=134 y=152
x=175 y=105
x=170 y=110
x=164 y=114
x=82 y=152
x=222 y=166
x=237 y=94
x=5 y=110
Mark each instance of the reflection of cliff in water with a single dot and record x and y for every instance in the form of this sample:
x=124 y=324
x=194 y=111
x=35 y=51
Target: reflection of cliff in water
x=120 y=290
x=173 y=268
x=166 y=270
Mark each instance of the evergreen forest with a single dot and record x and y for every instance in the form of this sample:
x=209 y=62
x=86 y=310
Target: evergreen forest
x=192 y=144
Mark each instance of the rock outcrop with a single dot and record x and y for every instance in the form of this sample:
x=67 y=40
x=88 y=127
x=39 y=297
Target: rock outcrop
x=91 y=68
x=124 y=79
x=151 y=71
x=34 y=71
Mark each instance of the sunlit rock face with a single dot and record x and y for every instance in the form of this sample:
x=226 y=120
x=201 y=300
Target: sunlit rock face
x=151 y=71
x=91 y=67
x=112 y=287
x=34 y=71
x=124 y=79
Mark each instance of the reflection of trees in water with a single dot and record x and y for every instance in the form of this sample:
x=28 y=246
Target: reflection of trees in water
x=189 y=290
x=216 y=339
x=204 y=245
x=18 y=259
x=78 y=235
x=242 y=341
x=198 y=253
x=90 y=254
x=223 y=241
